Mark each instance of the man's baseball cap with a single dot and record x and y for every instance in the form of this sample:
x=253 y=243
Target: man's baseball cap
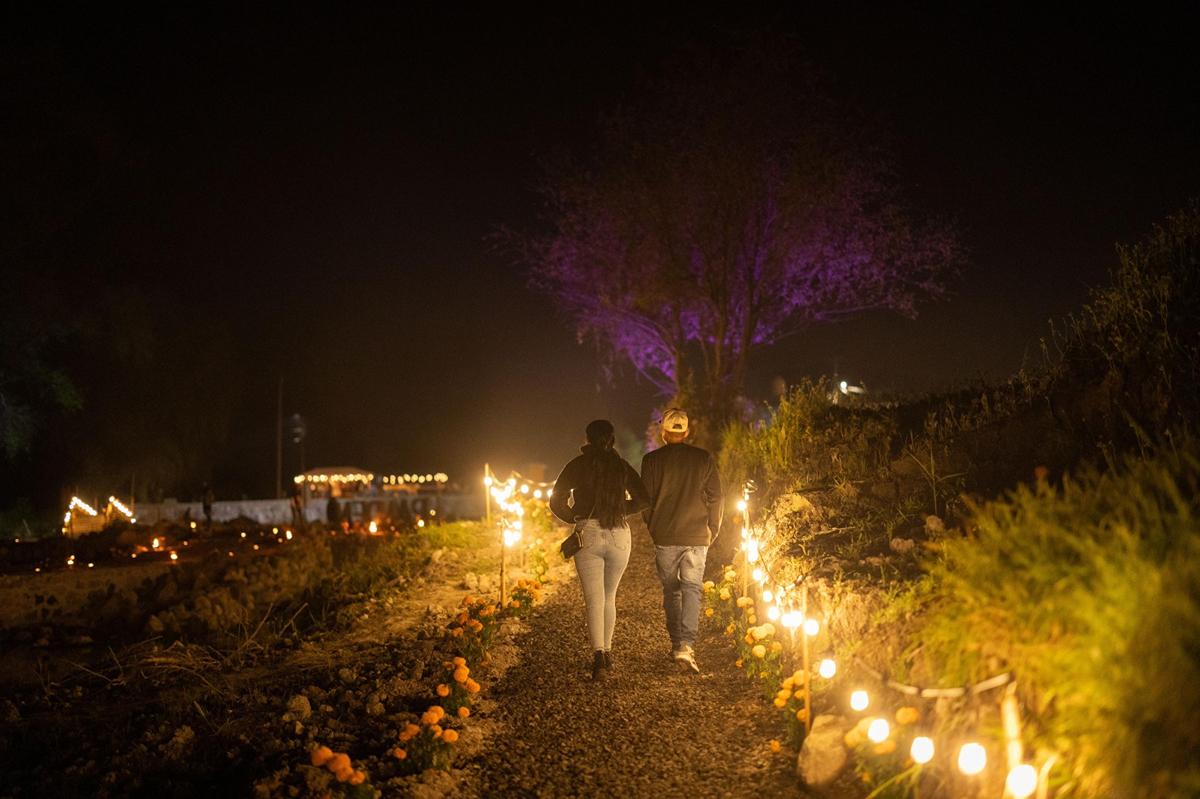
x=675 y=421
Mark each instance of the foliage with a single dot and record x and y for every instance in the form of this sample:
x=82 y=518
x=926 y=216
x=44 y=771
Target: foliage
x=539 y=563
x=351 y=782
x=457 y=693
x=714 y=220
x=1090 y=593
x=810 y=442
x=1138 y=337
x=522 y=598
x=429 y=744
x=789 y=699
x=474 y=628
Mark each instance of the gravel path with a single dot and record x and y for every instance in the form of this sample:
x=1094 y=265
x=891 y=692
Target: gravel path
x=647 y=730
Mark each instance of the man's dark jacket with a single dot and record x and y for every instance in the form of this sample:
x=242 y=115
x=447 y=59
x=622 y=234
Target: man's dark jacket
x=686 y=503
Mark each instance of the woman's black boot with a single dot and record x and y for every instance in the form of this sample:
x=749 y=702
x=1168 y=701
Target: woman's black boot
x=598 y=665
x=608 y=659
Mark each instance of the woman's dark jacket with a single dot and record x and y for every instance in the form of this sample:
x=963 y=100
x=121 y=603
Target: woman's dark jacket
x=575 y=480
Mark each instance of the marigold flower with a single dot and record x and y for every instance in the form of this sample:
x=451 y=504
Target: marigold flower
x=516 y=603
x=472 y=686
x=752 y=619
x=725 y=594
x=785 y=694
x=344 y=775
x=461 y=673
x=759 y=651
x=460 y=661
x=436 y=729
x=907 y=715
x=357 y=778
x=399 y=753
x=339 y=762
x=729 y=630
x=758 y=632
x=885 y=747
x=738 y=663
x=449 y=736
x=775 y=745
x=708 y=612
x=780 y=702
x=788 y=683
x=749 y=638
x=321 y=755
x=709 y=585
x=768 y=629
x=730 y=574
x=456 y=632
x=776 y=646
x=801 y=714
x=476 y=625
x=464 y=711
x=443 y=690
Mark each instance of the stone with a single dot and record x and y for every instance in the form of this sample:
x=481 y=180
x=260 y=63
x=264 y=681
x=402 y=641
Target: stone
x=471 y=581
x=934 y=525
x=901 y=545
x=299 y=707
x=823 y=755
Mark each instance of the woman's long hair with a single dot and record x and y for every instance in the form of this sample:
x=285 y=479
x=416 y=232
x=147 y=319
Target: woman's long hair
x=606 y=474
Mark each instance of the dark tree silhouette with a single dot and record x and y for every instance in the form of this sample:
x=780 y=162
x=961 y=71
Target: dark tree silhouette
x=728 y=211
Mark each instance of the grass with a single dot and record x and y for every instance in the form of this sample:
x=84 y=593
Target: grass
x=1090 y=593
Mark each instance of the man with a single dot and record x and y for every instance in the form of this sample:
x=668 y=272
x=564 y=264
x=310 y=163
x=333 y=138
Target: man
x=684 y=517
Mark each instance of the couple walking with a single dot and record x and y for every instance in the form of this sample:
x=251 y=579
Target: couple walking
x=679 y=495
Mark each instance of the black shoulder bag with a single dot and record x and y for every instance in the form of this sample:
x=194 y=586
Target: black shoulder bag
x=571 y=545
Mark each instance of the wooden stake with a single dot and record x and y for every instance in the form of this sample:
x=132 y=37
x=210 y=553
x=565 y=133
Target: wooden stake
x=807 y=667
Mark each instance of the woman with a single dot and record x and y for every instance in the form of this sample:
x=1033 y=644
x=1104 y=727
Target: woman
x=595 y=492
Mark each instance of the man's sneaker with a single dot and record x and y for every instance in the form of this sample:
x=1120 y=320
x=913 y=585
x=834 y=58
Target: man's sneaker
x=685 y=658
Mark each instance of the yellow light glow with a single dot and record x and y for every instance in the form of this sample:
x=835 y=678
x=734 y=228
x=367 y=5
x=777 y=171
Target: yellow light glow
x=811 y=627
x=120 y=506
x=1022 y=781
x=155 y=543
x=741 y=505
x=758 y=575
x=752 y=550
x=773 y=613
x=287 y=534
x=767 y=595
x=827 y=668
x=879 y=730
x=91 y=565
x=921 y=749
x=792 y=619
x=372 y=527
x=537 y=493
x=859 y=701
x=420 y=522
x=972 y=759
x=174 y=556
x=193 y=525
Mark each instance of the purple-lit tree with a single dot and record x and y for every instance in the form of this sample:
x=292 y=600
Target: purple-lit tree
x=720 y=218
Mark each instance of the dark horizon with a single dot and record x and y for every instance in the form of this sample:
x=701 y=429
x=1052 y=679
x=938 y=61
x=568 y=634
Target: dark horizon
x=314 y=197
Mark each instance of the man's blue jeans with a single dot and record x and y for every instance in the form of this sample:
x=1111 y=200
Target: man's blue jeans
x=681 y=572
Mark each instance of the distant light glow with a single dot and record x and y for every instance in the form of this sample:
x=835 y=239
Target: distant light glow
x=859 y=701
x=879 y=730
x=827 y=668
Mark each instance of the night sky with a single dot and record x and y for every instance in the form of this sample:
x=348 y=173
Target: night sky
x=323 y=188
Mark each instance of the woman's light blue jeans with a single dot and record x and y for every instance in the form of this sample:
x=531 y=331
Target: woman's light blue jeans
x=600 y=565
